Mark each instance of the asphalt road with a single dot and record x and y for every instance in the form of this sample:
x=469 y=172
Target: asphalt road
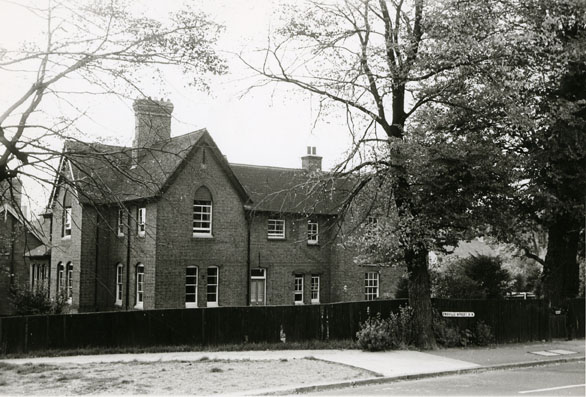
x=566 y=379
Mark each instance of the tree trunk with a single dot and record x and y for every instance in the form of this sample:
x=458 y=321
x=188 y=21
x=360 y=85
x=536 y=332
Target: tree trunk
x=560 y=272
x=420 y=296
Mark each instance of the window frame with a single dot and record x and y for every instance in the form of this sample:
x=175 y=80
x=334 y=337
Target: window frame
x=315 y=291
x=272 y=232
x=262 y=278
x=298 y=289
x=119 y=284
x=69 y=282
x=214 y=303
x=371 y=285
x=201 y=231
x=139 y=282
x=33 y=276
x=141 y=221
x=196 y=278
x=312 y=236
x=67 y=221
x=60 y=277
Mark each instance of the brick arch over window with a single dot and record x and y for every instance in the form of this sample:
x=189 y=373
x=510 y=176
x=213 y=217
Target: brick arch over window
x=202 y=212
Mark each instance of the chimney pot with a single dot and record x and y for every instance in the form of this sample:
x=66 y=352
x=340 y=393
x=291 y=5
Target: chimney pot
x=311 y=162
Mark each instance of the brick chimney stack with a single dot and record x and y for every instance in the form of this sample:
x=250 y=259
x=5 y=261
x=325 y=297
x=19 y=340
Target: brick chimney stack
x=311 y=162
x=152 y=123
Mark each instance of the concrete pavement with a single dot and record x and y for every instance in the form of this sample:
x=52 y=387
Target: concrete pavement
x=385 y=366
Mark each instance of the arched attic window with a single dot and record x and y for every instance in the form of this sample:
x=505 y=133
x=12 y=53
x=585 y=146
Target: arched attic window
x=202 y=213
x=66 y=221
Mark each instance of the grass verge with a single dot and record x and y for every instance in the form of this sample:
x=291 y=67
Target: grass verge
x=308 y=345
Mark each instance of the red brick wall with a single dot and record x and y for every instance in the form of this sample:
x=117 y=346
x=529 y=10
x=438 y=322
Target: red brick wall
x=177 y=248
x=292 y=255
x=67 y=249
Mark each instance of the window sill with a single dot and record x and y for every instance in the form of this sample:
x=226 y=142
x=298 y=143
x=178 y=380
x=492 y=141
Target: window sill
x=118 y=303
x=191 y=305
x=202 y=235
x=275 y=238
x=313 y=243
x=140 y=235
x=299 y=303
x=120 y=235
x=314 y=302
x=66 y=237
x=139 y=306
x=212 y=304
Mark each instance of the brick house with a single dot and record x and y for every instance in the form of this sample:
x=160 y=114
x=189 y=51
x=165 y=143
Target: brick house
x=169 y=223
x=24 y=258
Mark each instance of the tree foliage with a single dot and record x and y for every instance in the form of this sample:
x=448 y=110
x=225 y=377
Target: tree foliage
x=475 y=277
x=532 y=105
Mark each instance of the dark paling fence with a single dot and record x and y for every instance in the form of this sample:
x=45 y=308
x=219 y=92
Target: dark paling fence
x=511 y=321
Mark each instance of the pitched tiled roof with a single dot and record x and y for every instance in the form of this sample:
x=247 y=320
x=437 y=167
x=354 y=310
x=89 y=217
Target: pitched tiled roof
x=104 y=173
x=292 y=190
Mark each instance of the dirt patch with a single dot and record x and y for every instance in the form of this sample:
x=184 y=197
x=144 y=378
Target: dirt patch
x=203 y=377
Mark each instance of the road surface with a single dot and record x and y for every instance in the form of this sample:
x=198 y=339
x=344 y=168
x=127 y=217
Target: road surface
x=566 y=379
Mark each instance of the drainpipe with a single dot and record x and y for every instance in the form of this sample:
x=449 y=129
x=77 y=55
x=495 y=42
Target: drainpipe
x=96 y=260
x=248 y=216
x=128 y=229
x=12 y=243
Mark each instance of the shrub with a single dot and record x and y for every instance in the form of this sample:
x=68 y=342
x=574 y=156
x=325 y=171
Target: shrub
x=374 y=334
x=450 y=335
x=36 y=301
x=484 y=335
x=395 y=332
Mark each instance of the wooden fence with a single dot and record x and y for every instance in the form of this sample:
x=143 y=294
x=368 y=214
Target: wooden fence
x=511 y=321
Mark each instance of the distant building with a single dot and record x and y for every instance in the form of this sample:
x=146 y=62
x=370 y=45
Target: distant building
x=169 y=223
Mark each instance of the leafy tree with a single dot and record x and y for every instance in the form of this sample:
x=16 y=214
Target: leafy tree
x=475 y=277
x=532 y=104
x=385 y=62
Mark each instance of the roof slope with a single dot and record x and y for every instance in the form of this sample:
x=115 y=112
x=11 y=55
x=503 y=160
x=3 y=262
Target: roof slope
x=292 y=190
x=104 y=173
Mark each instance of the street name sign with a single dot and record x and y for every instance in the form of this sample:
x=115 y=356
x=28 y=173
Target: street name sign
x=457 y=314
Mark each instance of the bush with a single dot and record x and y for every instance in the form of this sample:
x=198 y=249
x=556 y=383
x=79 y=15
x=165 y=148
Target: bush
x=484 y=335
x=36 y=301
x=450 y=335
x=374 y=334
x=395 y=332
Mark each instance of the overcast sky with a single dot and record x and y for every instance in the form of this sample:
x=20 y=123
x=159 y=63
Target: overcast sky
x=269 y=126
